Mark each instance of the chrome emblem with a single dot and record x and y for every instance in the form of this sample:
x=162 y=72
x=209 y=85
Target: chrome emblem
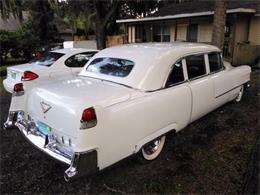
x=45 y=107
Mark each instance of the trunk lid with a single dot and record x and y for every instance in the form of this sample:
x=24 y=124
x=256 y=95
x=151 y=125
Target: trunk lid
x=60 y=104
x=15 y=73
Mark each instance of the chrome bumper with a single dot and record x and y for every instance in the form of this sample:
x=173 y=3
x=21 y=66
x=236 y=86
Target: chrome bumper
x=81 y=163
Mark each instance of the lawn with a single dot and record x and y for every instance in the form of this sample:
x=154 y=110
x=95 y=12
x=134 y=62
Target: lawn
x=210 y=156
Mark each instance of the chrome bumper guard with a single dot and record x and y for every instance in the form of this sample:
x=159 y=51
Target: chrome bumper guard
x=81 y=163
x=11 y=119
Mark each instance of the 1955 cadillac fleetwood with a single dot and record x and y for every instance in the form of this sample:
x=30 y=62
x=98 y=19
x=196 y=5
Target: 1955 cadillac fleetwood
x=125 y=100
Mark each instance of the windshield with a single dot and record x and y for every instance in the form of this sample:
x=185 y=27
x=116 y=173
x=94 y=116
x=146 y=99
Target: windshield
x=111 y=66
x=47 y=59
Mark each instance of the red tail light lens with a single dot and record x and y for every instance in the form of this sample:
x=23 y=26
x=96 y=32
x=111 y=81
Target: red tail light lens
x=28 y=76
x=88 y=118
x=18 y=89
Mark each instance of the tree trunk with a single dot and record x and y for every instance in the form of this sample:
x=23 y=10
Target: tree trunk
x=102 y=19
x=218 y=33
x=100 y=36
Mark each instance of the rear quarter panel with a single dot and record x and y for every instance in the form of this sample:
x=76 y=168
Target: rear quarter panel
x=240 y=75
x=125 y=127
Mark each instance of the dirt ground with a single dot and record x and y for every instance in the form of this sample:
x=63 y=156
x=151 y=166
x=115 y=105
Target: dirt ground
x=216 y=154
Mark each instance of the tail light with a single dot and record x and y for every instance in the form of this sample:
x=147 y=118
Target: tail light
x=28 y=76
x=18 y=89
x=88 y=118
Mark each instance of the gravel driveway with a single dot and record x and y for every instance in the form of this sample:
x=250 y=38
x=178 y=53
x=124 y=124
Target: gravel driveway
x=212 y=155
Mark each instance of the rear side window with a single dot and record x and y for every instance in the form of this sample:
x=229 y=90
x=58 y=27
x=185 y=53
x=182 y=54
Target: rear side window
x=176 y=75
x=47 y=59
x=79 y=60
x=195 y=66
x=111 y=66
x=215 y=62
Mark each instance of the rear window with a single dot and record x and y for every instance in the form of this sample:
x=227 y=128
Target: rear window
x=47 y=59
x=111 y=66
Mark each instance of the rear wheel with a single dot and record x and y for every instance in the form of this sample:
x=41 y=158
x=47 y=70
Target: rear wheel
x=240 y=94
x=152 y=150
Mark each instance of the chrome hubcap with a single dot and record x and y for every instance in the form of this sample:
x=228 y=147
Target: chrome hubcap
x=152 y=147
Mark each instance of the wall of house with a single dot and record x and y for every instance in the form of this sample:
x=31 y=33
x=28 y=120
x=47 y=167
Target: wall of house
x=205 y=32
x=242 y=29
x=254 y=31
x=172 y=33
x=181 y=32
x=246 y=44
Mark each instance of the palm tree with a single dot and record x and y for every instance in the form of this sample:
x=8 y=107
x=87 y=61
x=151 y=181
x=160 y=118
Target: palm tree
x=218 y=33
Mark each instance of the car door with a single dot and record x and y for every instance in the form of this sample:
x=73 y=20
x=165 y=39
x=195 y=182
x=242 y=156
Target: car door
x=200 y=85
x=221 y=78
x=78 y=61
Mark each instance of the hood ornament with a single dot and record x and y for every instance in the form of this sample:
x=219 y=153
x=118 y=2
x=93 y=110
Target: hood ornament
x=45 y=107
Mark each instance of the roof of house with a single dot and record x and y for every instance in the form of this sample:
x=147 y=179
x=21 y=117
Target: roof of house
x=198 y=8
x=13 y=23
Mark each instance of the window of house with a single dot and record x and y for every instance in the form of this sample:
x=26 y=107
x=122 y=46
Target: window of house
x=176 y=75
x=193 y=33
x=195 y=66
x=215 y=62
x=79 y=60
x=161 y=34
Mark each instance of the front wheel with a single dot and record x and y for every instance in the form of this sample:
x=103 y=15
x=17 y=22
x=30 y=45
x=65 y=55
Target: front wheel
x=152 y=150
x=240 y=94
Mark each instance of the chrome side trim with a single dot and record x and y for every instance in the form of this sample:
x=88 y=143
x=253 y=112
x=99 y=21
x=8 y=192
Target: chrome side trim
x=228 y=91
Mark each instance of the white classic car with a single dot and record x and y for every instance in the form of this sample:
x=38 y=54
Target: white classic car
x=125 y=101
x=53 y=64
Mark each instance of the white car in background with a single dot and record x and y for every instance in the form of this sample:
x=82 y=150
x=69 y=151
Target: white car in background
x=125 y=101
x=53 y=64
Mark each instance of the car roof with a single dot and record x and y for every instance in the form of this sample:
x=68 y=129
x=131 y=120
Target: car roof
x=179 y=48
x=73 y=50
x=152 y=61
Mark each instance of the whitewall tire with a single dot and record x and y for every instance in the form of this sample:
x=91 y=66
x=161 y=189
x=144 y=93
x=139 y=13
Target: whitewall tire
x=152 y=150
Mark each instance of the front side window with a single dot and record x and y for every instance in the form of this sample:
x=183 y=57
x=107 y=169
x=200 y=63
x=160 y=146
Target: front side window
x=176 y=75
x=111 y=66
x=79 y=60
x=195 y=66
x=215 y=62
x=47 y=59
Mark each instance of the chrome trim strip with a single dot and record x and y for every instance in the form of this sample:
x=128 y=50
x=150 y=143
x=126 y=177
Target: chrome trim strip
x=228 y=91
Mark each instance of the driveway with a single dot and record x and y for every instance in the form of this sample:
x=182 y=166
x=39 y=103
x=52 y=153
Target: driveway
x=212 y=155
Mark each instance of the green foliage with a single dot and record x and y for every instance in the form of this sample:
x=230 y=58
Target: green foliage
x=19 y=43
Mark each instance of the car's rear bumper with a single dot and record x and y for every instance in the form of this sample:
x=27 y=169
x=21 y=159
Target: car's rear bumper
x=81 y=163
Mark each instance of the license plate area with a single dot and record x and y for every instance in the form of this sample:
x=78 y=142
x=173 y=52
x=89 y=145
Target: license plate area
x=43 y=128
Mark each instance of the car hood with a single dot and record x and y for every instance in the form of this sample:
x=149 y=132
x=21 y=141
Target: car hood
x=68 y=98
